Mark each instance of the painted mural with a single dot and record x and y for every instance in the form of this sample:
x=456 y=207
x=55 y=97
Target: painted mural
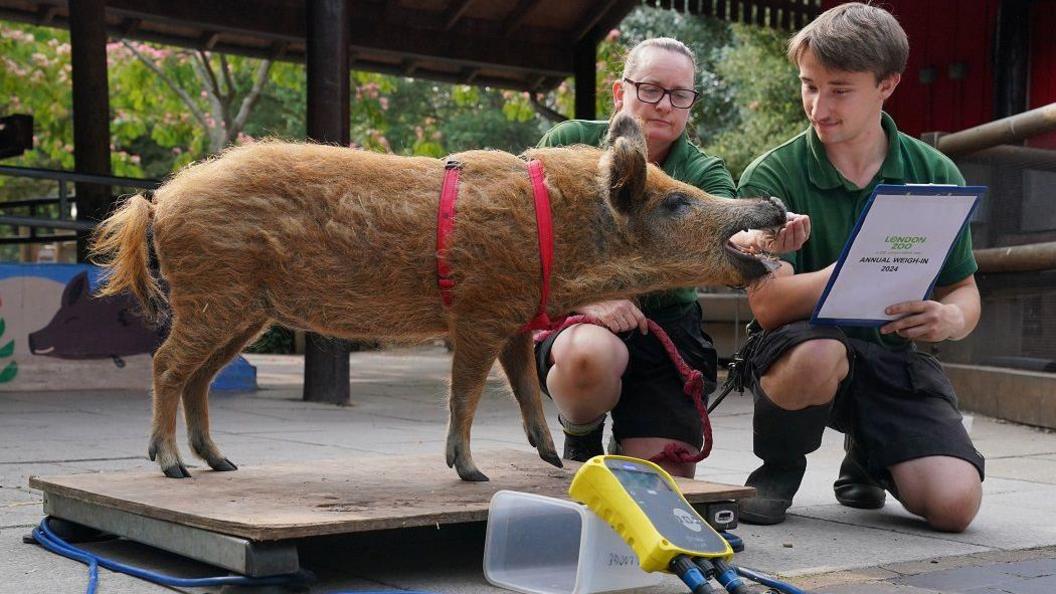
x=55 y=334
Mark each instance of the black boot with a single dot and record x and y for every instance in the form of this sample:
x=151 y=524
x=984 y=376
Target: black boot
x=854 y=487
x=782 y=439
x=583 y=442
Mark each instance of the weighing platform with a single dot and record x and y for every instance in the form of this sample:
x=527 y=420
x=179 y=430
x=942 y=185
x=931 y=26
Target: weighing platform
x=250 y=521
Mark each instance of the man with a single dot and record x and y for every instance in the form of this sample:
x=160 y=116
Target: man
x=895 y=405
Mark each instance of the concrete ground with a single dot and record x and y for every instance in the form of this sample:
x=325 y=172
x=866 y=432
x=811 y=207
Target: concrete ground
x=398 y=408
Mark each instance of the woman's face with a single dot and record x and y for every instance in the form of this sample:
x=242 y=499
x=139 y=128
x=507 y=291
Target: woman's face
x=670 y=70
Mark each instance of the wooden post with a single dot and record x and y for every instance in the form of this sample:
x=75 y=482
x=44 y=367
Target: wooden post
x=585 y=70
x=326 y=371
x=91 y=112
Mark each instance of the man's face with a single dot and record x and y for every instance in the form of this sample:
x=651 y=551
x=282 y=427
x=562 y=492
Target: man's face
x=670 y=70
x=841 y=105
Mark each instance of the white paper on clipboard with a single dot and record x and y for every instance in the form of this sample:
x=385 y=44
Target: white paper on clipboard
x=901 y=241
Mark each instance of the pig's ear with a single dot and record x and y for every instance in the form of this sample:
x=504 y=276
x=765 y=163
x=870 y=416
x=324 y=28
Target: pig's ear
x=76 y=288
x=626 y=163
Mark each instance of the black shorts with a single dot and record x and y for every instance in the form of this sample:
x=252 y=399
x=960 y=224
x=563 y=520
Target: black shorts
x=895 y=405
x=652 y=402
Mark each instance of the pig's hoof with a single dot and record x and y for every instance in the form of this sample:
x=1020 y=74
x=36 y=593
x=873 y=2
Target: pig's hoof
x=178 y=471
x=552 y=458
x=473 y=475
x=223 y=465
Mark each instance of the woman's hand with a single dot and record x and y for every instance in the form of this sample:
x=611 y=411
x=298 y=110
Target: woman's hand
x=618 y=316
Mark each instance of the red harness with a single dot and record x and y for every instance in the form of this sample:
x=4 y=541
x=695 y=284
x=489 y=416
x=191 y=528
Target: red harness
x=445 y=224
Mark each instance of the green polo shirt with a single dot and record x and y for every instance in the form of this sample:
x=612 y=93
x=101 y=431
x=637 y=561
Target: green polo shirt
x=686 y=163
x=799 y=172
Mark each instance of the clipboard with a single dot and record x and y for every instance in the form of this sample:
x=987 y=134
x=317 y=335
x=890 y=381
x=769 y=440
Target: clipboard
x=888 y=258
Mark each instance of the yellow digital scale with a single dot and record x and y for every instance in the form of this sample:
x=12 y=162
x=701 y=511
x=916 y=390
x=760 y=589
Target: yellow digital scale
x=642 y=504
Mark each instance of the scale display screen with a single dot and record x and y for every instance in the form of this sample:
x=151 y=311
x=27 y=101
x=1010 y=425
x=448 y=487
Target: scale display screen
x=666 y=509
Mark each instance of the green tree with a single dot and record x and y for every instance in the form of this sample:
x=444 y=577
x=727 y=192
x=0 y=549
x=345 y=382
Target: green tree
x=766 y=85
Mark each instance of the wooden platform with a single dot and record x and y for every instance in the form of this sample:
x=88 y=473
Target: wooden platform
x=286 y=501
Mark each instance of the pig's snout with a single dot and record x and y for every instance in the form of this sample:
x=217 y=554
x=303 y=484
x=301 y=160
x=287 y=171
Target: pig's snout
x=771 y=214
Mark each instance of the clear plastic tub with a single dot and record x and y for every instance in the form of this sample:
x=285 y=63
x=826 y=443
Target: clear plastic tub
x=542 y=545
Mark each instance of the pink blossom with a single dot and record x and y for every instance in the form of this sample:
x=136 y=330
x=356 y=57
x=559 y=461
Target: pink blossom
x=384 y=102
x=177 y=150
x=134 y=159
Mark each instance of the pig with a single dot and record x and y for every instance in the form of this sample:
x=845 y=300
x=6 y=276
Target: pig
x=342 y=242
x=88 y=327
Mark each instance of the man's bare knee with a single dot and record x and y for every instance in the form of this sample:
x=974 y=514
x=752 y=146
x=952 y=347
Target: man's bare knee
x=808 y=374
x=947 y=492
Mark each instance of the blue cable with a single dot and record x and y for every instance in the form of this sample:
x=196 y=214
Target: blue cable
x=44 y=535
x=47 y=538
x=766 y=580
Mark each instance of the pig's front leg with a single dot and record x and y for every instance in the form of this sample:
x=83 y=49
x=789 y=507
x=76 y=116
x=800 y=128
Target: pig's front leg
x=473 y=359
x=518 y=362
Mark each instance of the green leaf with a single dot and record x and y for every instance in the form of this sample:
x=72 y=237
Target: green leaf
x=9 y=372
x=3 y=326
x=8 y=349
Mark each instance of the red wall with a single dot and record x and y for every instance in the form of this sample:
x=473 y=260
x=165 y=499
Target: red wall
x=942 y=33
x=1042 y=90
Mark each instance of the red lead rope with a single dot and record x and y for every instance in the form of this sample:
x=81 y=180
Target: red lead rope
x=693 y=387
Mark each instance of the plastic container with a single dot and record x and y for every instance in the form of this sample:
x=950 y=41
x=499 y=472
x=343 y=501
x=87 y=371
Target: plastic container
x=542 y=545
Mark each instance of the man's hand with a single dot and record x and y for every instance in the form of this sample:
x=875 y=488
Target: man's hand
x=789 y=238
x=927 y=321
x=617 y=316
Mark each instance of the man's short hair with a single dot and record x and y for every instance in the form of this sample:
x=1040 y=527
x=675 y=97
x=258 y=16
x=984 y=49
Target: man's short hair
x=854 y=37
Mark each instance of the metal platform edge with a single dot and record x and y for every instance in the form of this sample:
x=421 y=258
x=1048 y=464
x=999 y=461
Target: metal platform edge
x=254 y=559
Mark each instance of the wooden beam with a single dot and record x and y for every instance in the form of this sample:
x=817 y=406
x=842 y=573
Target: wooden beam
x=326 y=366
x=128 y=27
x=91 y=111
x=278 y=50
x=592 y=18
x=469 y=74
x=516 y=17
x=610 y=18
x=46 y=13
x=520 y=55
x=208 y=40
x=455 y=13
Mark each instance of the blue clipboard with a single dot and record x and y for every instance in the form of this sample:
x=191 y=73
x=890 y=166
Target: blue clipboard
x=887 y=190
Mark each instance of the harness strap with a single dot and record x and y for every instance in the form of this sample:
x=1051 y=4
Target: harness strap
x=545 y=230
x=445 y=224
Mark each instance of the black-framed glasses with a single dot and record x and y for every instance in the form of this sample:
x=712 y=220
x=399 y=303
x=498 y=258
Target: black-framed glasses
x=650 y=93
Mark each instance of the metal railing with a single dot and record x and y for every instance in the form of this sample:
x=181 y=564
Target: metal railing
x=65 y=200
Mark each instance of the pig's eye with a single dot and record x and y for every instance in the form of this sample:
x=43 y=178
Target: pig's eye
x=676 y=204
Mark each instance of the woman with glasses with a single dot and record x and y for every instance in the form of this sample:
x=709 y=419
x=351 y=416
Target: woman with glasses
x=591 y=370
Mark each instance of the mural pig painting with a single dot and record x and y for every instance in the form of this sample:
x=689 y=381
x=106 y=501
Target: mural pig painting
x=90 y=327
